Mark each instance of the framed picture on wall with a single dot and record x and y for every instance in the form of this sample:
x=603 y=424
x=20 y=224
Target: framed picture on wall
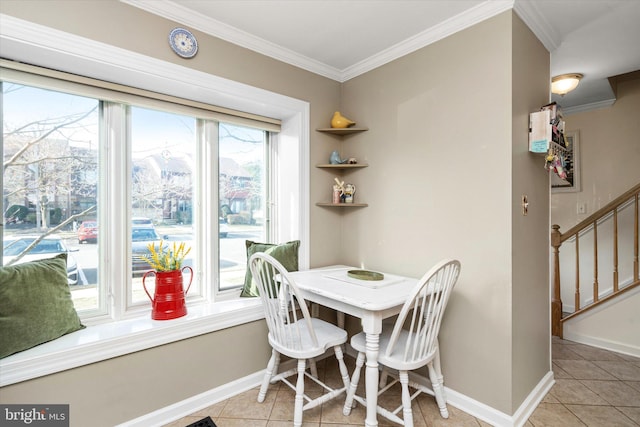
x=571 y=183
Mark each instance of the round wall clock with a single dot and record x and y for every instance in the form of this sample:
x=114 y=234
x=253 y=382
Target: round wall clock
x=183 y=42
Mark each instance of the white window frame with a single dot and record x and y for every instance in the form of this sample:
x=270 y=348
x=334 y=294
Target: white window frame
x=42 y=46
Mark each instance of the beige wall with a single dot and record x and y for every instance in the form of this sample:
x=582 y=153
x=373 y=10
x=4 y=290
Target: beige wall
x=121 y=389
x=530 y=274
x=609 y=155
x=446 y=170
x=613 y=326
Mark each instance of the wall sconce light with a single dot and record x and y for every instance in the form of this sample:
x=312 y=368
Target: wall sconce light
x=565 y=83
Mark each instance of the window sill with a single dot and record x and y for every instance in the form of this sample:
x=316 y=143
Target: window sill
x=105 y=341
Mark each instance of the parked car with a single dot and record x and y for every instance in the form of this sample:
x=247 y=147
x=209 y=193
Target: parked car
x=88 y=232
x=50 y=246
x=140 y=220
x=141 y=237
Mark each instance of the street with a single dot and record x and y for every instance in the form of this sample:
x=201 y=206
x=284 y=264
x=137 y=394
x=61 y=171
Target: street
x=232 y=249
x=85 y=293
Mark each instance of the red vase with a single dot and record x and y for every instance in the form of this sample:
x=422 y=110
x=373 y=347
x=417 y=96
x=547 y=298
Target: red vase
x=168 y=301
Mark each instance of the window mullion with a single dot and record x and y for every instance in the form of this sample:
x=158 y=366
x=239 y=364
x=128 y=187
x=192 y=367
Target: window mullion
x=208 y=210
x=114 y=207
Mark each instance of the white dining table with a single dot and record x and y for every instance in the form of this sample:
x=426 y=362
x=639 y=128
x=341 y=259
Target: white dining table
x=370 y=300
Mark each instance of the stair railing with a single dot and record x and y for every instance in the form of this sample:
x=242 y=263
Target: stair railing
x=557 y=238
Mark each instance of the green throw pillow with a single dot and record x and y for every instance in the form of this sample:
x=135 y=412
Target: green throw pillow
x=286 y=253
x=35 y=304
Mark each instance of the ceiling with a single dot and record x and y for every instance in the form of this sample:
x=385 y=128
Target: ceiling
x=341 y=39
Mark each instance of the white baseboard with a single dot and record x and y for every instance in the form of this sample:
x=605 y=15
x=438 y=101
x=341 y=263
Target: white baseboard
x=618 y=347
x=493 y=416
x=533 y=400
x=573 y=331
x=464 y=403
x=195 y=403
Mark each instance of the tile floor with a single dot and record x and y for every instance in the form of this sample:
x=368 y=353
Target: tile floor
x=593 y=388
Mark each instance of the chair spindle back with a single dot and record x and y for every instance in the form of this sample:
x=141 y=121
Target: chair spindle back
x=422 y=313
x=283 y=305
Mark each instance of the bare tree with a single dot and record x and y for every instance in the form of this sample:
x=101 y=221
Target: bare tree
x=44 y=162
x=158 y=184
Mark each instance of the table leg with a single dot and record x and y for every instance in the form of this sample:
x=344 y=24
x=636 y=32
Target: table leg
x=340 y=319
x=371 y=378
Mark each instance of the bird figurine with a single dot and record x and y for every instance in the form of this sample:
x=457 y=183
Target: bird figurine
x=335 y=159
x=340 y=122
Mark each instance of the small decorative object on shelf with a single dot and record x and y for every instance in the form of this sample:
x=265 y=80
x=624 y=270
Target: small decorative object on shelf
x=349 y=193
x=168 y=301
x=335 y=159
x=340 y=122
x=337 y=194
x=342 y=192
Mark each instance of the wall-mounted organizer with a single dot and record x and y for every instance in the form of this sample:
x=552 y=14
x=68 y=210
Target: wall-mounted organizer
x=546 y=126
x=546 y=136
x=341 y=168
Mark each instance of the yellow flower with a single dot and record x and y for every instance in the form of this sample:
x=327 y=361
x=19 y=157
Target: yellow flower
x=166 y=258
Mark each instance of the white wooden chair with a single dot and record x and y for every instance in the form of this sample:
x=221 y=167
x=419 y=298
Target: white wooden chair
x=294 y=333
x=411 y=343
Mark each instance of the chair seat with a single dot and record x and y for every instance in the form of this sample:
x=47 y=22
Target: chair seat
x=395 y=359
x=328 y=335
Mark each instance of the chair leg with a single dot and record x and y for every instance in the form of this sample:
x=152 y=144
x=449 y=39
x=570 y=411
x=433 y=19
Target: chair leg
x=276 y=365
x=437 y=381
x=383 y=377
x=344 y=372
x=355 y=377
x=407 y=414
x=313 y=367
x=272 y=368
x=299 y=400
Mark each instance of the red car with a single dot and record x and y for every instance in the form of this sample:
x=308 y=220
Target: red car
x=88 y=232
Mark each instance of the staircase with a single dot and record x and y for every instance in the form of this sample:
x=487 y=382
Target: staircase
x=601 y=250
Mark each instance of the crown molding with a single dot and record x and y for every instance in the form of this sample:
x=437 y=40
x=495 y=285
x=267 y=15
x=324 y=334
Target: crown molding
x=173 y=11
x=180 y=14
x=444 y=29
x=567 y=111
x=529 y=12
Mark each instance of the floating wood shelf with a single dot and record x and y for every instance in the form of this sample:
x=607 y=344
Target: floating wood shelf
x=342 y=205
x=342 y=131
x=339 y=168
x=343 y=166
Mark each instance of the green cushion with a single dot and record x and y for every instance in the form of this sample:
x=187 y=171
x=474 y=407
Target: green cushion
x=286 y=253
x=35 y=304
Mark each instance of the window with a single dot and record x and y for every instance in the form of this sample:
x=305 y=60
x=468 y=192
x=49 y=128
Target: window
x=50 y=180
x=163 y=153
x=70 y=157
x=289 y=204
x=242 y=198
